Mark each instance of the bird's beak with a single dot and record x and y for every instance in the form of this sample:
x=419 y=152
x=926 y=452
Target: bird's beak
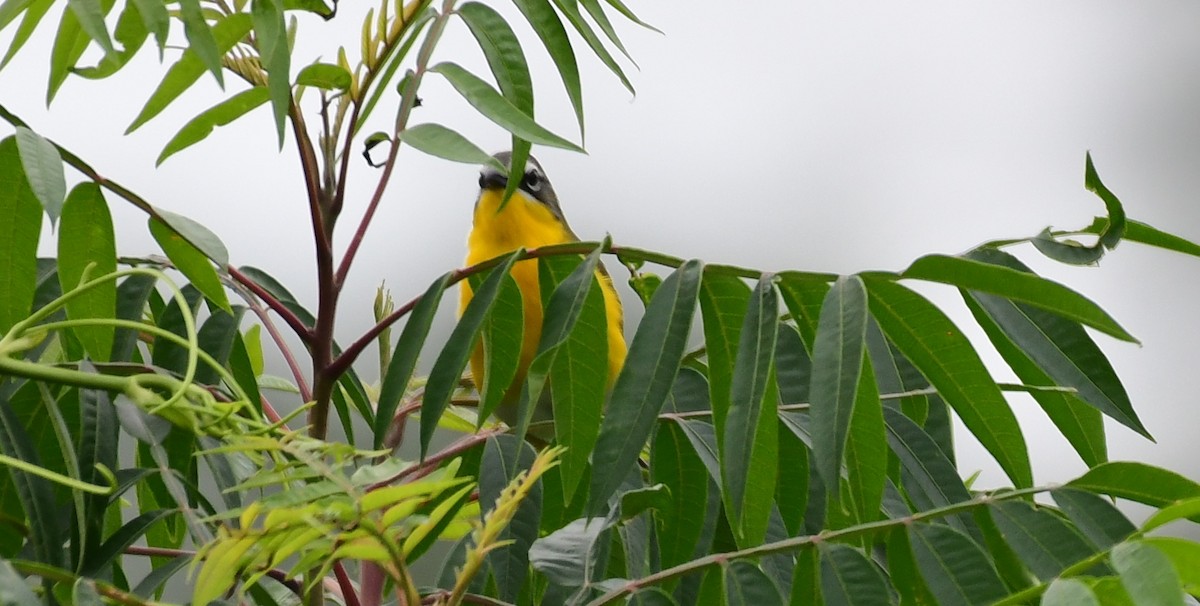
x=491 y=178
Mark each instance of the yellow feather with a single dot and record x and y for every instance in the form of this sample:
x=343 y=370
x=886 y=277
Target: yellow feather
x=527 y=223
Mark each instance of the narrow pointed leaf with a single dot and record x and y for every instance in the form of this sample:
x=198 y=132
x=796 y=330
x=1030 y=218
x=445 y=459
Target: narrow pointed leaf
x=156 y=19
x=1081 y=424
x=935 y=346
x=90 y=14
x=131 y=33
x=503 y=52
x=675 y=464
x=570 y=10
x=747 y=585
x=453 y=359
x=510 y=563
x=866 y=449
x=1136 y=231
x=441 y=142
x=199 y=128
x=1139 y=482
x=1046 y=544
x=1147 y=574
x=496 y=108
x=723 y=301
x=987 y=271
x=644 y=382
x=33 y=15
x=36 y=494
x=849 y=578
x=70 y=42
x=185 y=72
x=1095 y=516
x=201 y=39
x=929 y=479
x=596 y=11
x=804 y=297
x=325 y=76
x=191 y=262
x=20 y=229
x=503 y=334
x=86 y=238
x=1188 y=508
x=624 y=10
x=1184 y=555
x=43 y=170
x=1116 y=213
x=955 y=569
x=837 y=366
x=271 y=36
x=199 y=236
x=545 y=22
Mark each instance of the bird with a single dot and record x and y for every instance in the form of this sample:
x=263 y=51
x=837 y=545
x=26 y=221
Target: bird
x=531 y=218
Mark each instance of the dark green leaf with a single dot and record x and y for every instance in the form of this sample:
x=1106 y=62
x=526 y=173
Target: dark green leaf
x=86 y=238
x=723 y=301
x=271 y=37
x=198 y=235
x=496 y=108
x=1137 y=482
x=325 y=76
x=804 y=298
x=443 y=378
x=20 y=228
x=791 y=489
x=674 y=463
x=549 y=28
x=43 y=170
x=502 y=337
x=849 y=578
x=216 y=337
x=987 y=271
x=1068 y=251
x=191 y=262
x=793 y=366
x=1147 y=574
x=644 y=382
x=510 y=563
x=97 y=449
x=596 y=11
x=570 y=10
x=954 y=568
x=837 y=367
x=503 y=52
x=199 y=128
x=935 y=345
x=441 y=142
x=185 y=72
x=929 y=479
x=127 y=535
x=749 y=450
x=35 y=493
x=747 y=585
x=1096 y=517
x=404 y=359
x=1116 y=213
x=1045 y=543
x=866 y=449
x=1136 y=231
x=1069 y=592
x=806 y=581
x=202 y=40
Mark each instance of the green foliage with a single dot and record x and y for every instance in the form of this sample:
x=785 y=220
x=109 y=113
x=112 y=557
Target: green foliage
x=797 y=449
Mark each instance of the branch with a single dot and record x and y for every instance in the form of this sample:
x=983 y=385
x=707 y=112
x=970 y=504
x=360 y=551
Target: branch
x=293 y=321
x=795 y=543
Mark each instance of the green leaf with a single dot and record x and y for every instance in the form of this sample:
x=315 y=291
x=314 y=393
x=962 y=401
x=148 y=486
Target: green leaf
x=578 y=376
x=935 y=346
x=9 y=9
x=566 y=555
x=20 y=229
x=929 y=479
x=1136 y=231
x=624 y=10
x=747 y=585
x=674 y=464
x=1069 y=251
x=202 y=40
x=596 y=11
x=441 y=142
x=866 y=450
x=1188 y=508
x=791 y=489
x=1184 y=555
x=325 y=76
x=70 y=42
x=90 y=14
x=1147 y=574
x=997 y=273
x=29 y=22
x=1069 y=592
x=849 y=578
x=1081 y=424
x=271 y=36
x=191 y=262
x=644 y=382
x=570 y=10
x=199 y=128
x=131 y=32
x=1139 y=482
x=749 y=452
x=97 y=448
x=502 y=337
x=36 y=494
x=43 y=171
x=1116 y=213
x=120 y=540
x=1046 y=544
x=723 y=302
x=443 y=378
x=503 y=52
x=837 y=366
x=510 y=563
x=216 y=337
x=185 y=72
x=199 y=236
x=13 y=589
x=545 y=22
x=954 y=568
x=404 y=358
x=1061 y=349
x=86 y=238
x=496 y=108
x=313 y=6
x=804 y=298
x=156 y=19
x=1096 y=517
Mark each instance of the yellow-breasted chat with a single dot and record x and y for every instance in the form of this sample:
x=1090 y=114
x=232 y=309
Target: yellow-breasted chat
x=531 y=218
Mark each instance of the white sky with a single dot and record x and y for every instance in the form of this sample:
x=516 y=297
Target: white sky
x=828 y=136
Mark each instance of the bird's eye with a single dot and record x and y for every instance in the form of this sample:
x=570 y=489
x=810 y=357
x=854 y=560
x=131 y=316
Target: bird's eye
x=533 y=181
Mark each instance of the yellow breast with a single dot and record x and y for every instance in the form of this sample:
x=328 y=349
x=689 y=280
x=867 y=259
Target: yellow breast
x=527 y=223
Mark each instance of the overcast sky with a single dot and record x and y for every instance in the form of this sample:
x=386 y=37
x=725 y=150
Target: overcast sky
x=827 y=136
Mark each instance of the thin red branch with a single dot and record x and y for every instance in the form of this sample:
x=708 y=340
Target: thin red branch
x=293 y=321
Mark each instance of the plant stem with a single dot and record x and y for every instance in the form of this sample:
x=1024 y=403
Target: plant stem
x=795 y=543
